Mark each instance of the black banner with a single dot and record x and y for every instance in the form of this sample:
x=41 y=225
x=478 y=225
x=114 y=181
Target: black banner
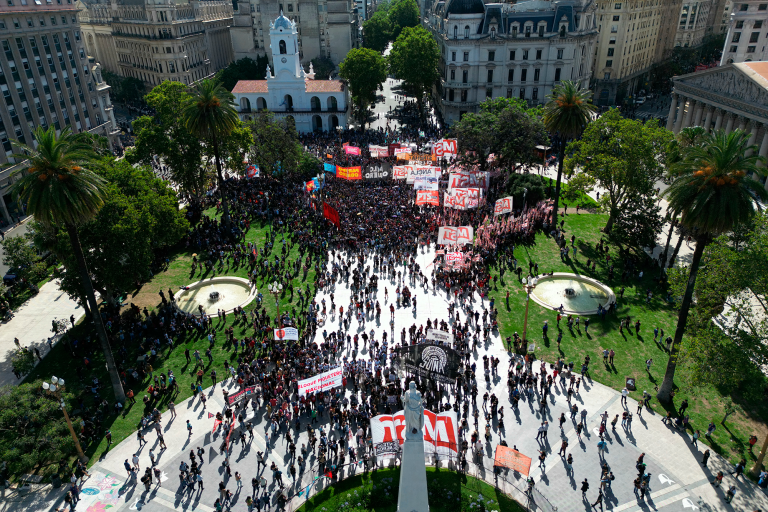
x=437 y=362
x=377 y=172
x=241 y=395
x=387 y=448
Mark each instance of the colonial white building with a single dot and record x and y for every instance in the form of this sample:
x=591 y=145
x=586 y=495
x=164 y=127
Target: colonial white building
x=505 y=50
x=289 y=91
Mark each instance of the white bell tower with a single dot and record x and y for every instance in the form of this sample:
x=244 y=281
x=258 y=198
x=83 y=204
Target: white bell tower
x=284 y=41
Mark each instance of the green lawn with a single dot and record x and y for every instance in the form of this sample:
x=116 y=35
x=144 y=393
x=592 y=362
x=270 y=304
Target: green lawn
x=632 y=351
x=61 y=363
x=448 y=492
x=582 y=199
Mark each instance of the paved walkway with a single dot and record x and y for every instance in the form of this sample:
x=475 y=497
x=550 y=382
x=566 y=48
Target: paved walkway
x=679 y=482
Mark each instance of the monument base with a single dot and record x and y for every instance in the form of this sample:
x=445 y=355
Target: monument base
x=413 y=495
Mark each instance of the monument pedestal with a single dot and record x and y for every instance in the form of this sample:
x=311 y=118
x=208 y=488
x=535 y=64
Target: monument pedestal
x=413 y=494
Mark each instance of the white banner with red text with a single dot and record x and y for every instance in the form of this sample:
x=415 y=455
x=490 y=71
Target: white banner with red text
x=448 y=235
x=286 y=333
x=468 y=179
x=463 y=198
x=503 y=205
x=441 y=433
x=321 y=382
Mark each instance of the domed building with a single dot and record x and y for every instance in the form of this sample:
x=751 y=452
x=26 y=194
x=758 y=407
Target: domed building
x=509 y=50
x=291 y=92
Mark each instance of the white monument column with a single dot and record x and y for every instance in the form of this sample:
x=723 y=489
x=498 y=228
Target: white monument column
x=698 y=113
x=689 y=113
x=680 y=115
x=708 y=118
x=719 y=119
x=672 y=110
x=729 y=123
x=413 y=495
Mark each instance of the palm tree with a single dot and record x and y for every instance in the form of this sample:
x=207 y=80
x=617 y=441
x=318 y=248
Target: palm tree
x=566 y=113
x=59 y=190
x=713 y=192
x=210 y=114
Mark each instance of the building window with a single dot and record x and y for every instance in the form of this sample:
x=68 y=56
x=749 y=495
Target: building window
x=509 y=93
x=282 y=47
x=491 y=55
x=559 y=53
x=466 y=32
x=541 y=30
x=450 y=95
x=538 y=54
x=535 y=94
x=525 y=54
x=762 y=7
x=466 y=56
x=736 y=37
x=609 y=63
x=739 y=24
x=607 y=76
x=453 y=56
x=290 y=7
x=612 y=40
x=614 y=29
x=523 y=75
x=616 y=17
x=734 y=49
x=522 y=93
x=617 y=6
x=514 y=31
x=557 y=74
x=465 y=76
x=511 y=75
x=757 y=24
x=750 y=49
x=536 y=75
x=453 y=74
x=528 y=31
x=464 y=95
x=489 y=93
x=610 y=51
x=455 y=32
x=753 y=37
x=512 y=55
x=490 y=75
x=744 y=7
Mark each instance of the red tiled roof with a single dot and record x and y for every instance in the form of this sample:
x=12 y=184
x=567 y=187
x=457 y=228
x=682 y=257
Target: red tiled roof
x=761 y=68
x=251 y=86
x=324 y=85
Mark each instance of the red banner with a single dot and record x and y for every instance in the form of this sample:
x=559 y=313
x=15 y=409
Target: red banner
x=508 y=458
x=352 y=150
x=349 y=173
x=331 y=214
x=428 y=197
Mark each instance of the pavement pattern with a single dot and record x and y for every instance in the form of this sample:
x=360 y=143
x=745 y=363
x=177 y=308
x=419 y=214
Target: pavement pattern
x=678 y=480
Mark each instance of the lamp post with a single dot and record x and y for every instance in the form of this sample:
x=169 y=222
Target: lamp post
x=55 y=388
x=276 y=289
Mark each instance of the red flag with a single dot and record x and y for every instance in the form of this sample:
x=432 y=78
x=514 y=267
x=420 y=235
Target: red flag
x=329 y=474
x=210 y=415
x=331 y=214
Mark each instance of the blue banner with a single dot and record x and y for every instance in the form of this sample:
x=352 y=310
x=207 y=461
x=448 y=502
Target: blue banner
x=329 y=168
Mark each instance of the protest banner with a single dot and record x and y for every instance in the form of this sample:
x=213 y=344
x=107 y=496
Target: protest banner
x=252 y=171
x=352 y=150
x=441 y=433
x=452 y=257
x=329 y=168
x=421 y=158
x=468 y=179
x=403 y=153
x=441 y=336
x=448 y=235
x=503 y=206
x=400 y=172
x=240 y=395
x=425 y=183
x=436 y=362
x=506 y=457
x=463 y=198
x=428 y=197
x=309 y=186
x=378 y=151
x=321 y=382
x=422 y=171
x=376 y=172
x=392 y=147
x=445 y=147
x=349 y=173
x=331 y=214
x=286 y=333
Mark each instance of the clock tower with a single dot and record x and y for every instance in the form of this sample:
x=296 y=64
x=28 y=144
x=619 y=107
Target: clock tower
x=284 y=41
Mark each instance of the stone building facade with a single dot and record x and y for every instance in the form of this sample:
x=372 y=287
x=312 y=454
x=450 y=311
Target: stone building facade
x=504 y=50
x=156 y=40
x=747 y=38
x=326 y=28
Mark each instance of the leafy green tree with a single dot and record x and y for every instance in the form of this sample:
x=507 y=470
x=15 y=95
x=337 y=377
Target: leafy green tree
x=276 y=145
x=377 y=32
x=19 y=253
x=579 y=185
x=140 y=216
x=22 y=362
x=566 y=113
x=383 y=6
x=625 y=157
x=59 y=189
x=124 y=89
x=33 y=433
x=526 y=189
x=243 y=69
x=163 y=135
x=503 y=128
x=403 y=14
x=414 y=58
x=235 y=148
x=323 y=67
x=365 y=70
x=639 y=226
x=210 y=114
x=713 y=192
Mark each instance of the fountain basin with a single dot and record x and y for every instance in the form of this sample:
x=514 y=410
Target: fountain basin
x=584 y=293
x=215 y=293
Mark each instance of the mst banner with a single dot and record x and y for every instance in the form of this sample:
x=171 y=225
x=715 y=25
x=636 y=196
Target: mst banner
x=437 y=362
x=321 y=382
x=503 y=206
x=441 y=433
x=469 y=179
x=448 y=235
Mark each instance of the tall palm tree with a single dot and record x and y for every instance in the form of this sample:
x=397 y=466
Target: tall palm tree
x=713 y=192
x=211 y=115
x=59 y=190
x=566 y=113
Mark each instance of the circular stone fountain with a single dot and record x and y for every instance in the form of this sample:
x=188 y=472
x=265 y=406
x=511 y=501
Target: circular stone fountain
x=225 y=293
x=579 y=295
